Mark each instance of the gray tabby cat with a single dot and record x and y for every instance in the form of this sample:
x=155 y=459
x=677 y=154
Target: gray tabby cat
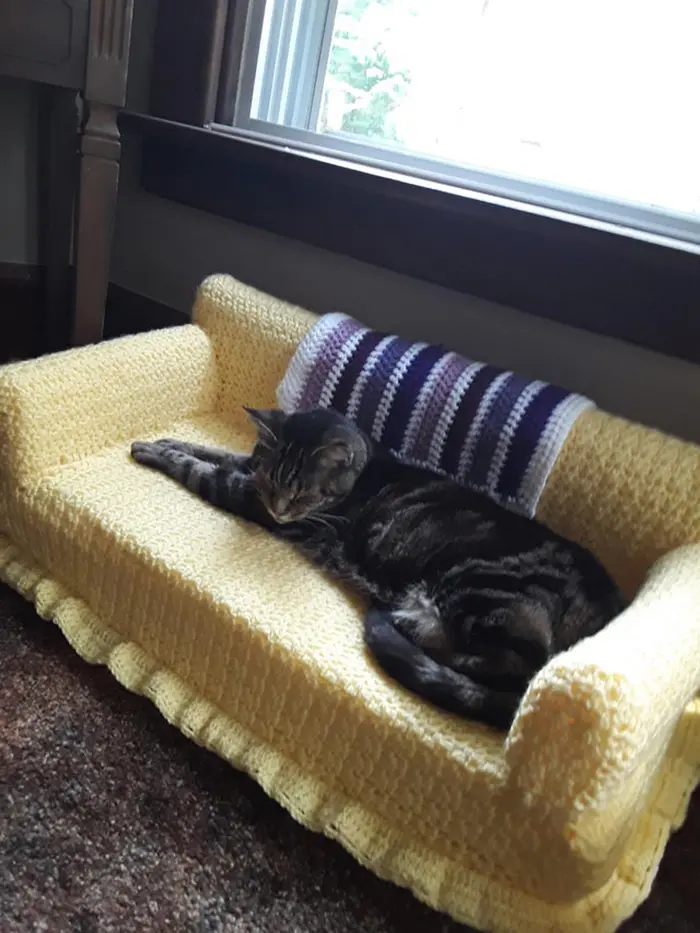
x=467 y=600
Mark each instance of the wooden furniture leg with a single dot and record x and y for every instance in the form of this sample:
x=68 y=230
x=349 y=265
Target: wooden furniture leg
x=58 y=148
x=100 y=150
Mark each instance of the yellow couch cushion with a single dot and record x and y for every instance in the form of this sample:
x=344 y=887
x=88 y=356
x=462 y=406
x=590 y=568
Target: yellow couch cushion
x=558 y=826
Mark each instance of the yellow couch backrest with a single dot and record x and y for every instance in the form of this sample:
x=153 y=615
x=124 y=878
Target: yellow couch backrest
x=627 y=492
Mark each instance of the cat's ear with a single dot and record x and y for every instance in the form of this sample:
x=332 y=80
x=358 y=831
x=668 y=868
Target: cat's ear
x=336 y=454
x=268 y=421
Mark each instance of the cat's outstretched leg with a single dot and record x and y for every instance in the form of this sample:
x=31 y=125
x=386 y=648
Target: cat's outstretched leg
x=215 y=455
x=221 y=478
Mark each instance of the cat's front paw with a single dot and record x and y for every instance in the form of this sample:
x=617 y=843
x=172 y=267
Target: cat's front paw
x=149 y=453
x=163 y=454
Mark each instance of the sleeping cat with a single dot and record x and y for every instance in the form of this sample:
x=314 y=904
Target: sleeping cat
x=467 y=600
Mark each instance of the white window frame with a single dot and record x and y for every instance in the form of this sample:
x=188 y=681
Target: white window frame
x=290 y=85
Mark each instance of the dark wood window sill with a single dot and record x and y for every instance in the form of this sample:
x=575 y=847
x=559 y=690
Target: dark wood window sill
x=594 y=279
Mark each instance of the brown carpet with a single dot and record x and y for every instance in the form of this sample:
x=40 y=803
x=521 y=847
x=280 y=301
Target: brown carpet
x=111 y=821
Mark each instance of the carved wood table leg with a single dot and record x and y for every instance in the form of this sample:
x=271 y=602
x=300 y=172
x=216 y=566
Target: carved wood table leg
x=97 y=203
x=100 y=149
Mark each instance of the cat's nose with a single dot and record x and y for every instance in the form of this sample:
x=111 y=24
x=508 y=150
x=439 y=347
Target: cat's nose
x=281 y=510
x=278 y=508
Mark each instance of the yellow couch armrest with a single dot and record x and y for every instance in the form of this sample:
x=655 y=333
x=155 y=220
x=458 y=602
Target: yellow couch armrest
x=596 y=722
x=254 y=335
x=66 y=406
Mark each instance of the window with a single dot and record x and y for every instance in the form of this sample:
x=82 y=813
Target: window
x=536 y=154
x=585 y=107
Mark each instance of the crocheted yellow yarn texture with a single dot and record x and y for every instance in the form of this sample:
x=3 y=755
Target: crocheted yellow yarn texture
x=557 y=827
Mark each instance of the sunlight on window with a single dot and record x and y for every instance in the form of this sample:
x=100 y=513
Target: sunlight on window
x=600 y=96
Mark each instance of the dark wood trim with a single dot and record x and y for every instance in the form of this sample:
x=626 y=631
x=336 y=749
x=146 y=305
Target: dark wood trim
x=128 y=312
x=19 y=274
x=187 y=53
x=21 y=288
x=214 y=60
x=234 y=39
x=22 y=312
x=58 y=126
x=596 y=280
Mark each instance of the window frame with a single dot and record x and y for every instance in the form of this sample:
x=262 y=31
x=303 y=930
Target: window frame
x=273 y=113
x=288 y=63
x=592 y=275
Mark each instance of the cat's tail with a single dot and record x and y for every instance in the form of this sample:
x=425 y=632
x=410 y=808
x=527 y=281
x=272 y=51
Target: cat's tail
x=457 y=693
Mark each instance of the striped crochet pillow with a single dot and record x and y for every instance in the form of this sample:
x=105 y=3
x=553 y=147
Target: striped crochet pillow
x=489 y=428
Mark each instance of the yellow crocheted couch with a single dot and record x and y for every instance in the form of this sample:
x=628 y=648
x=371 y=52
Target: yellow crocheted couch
x=557 y=827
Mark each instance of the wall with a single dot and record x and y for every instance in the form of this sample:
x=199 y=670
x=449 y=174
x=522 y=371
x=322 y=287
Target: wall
x=163 y=250
x=18 y=159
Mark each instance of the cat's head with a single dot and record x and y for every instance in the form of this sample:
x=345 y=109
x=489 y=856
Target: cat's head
x=306 y=462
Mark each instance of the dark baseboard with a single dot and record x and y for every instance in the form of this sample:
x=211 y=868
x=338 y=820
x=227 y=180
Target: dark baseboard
x=21 y=307
x=19 y=272
x=128 y=312
x=20 y=310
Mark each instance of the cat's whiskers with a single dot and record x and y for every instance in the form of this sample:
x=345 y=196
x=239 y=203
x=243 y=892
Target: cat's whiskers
x=317 y=520
x=324 y=521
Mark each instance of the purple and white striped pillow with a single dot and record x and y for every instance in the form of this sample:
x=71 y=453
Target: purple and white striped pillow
x=487 y=427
